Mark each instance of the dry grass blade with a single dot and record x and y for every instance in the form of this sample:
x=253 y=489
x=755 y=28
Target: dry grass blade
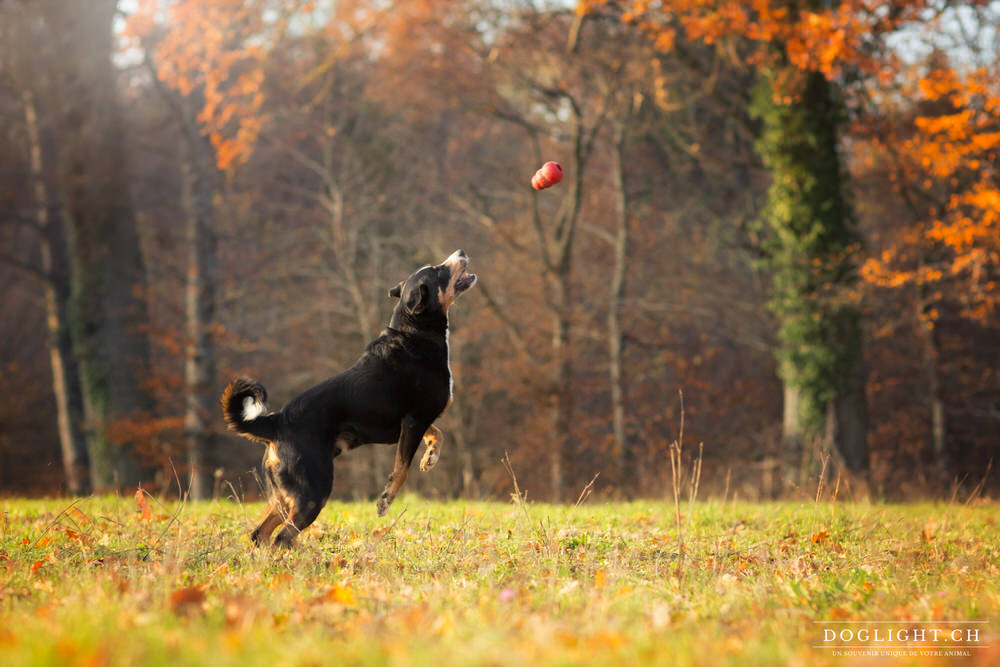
x=520 y=499
x=587 y=490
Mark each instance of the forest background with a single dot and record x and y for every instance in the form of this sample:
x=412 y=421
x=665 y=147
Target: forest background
x=778 y=237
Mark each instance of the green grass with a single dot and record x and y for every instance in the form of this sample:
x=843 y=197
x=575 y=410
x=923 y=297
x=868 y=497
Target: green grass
x=483 y=583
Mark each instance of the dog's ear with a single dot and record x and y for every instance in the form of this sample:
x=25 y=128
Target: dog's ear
x=396 y=291
x=416 y=299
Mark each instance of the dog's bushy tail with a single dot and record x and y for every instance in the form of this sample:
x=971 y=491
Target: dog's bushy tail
x=244 y=406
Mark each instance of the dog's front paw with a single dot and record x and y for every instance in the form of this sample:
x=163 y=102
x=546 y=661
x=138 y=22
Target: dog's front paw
x=429 y=460
x=383 y=503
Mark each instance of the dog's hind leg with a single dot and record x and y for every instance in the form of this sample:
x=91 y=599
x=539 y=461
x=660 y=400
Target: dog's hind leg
x=305 y=487
x=432 y=448
x=409 y=439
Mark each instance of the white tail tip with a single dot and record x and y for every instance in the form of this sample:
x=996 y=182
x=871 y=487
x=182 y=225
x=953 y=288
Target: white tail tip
x=252 y=409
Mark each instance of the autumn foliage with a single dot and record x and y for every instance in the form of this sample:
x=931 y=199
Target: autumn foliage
x=351 y=142
x=946 y=164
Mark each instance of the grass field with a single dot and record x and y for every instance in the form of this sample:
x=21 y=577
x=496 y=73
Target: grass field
x=95 y=582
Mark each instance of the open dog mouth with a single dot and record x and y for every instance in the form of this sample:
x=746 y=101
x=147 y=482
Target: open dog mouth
x=465 y=281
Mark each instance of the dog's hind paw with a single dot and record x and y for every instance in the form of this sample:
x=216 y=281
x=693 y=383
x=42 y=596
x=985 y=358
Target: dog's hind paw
x=429 y=460
x=383 y=503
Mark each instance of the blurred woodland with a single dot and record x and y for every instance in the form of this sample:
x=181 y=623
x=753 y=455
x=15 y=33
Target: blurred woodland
x=788 y=210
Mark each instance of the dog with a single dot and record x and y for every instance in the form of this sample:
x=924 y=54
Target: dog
x=392 y=394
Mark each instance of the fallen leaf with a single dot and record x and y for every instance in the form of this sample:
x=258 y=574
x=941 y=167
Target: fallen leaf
x=78 y=515
x=240 y=611
x=279 y=579
x=142 y=505
x=187 y=600
x=839 y=613
x=343 y=594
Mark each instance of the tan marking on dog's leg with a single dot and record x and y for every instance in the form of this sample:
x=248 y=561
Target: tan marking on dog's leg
x=273 y=517
x=271 y=460
x=432 y=448
x=289 y=531
x=396 y=481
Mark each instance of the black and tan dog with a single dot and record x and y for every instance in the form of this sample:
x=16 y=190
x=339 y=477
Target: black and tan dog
x=393 y=393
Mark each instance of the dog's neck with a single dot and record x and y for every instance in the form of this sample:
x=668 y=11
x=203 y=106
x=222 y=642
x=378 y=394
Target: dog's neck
x=429 y=325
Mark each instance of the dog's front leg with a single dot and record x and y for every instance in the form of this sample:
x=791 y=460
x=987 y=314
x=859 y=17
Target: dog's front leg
x=409 y=439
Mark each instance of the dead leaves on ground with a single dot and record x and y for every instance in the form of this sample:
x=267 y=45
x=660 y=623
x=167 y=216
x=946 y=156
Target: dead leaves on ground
x=438 y=578
x=187 y=601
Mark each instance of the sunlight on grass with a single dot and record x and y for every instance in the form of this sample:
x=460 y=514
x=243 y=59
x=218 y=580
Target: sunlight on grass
x=94 y=582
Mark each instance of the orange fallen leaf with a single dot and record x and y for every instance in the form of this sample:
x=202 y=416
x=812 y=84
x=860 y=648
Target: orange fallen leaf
x=36 y=566
x=78 y=515
x=142 y=505
x=600 y=579
x=279 y=579
x=820 y=537
x=839 y=613
x=187 y=600
x=240 y=611
x=342 y=594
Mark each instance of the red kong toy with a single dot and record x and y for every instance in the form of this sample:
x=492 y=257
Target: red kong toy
x=547 y=176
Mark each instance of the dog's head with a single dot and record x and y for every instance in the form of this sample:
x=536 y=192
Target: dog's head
x=430 y=291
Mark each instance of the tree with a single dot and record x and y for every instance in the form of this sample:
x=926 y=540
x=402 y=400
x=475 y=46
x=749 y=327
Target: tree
x=212 y=83
x=809 y=255
x=940 y=149
x=107 y=314
x=19 y=65
x=801 y=46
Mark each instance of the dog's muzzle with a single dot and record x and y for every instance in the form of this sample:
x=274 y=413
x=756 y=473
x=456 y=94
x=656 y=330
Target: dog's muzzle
x=458 y=262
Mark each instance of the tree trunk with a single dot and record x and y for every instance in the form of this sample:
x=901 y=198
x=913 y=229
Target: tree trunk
x=849 y=408
x=562 y=390
x=792 y=446
x=199 y=309
x=932 y=360
x=560 y=271
x=109 y=315
x=622 y=454
x=811 y=257
x=65 y=380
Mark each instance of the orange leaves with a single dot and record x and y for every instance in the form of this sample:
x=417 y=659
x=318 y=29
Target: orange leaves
x=187 y=601
x=839 y=614
x=342 y=594
x=142 y=505
x=826 y=40
x=216 y=48
x=945 y=161
x=820 y=537
x=279 y=580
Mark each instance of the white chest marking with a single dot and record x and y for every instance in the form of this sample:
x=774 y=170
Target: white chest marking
x=447 y=349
